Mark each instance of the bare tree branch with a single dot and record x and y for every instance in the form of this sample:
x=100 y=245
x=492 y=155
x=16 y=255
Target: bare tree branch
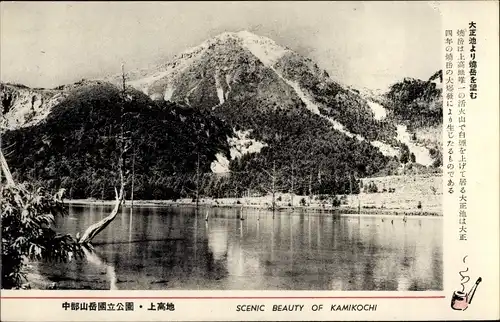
x=6 y=170
x=96 y=228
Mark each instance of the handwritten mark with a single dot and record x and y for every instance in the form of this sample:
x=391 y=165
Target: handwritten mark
x=464 y=278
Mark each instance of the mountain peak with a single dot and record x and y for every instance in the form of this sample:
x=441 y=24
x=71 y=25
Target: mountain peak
x=241 y=35
x=265 y=49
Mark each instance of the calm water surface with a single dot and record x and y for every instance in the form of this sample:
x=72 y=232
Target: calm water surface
x=175 y=248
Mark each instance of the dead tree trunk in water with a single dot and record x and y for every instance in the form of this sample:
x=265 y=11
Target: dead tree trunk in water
x=133 y=182
x=198 y=180
x=272 y=189
x=96 y=228
x=310 y=189
x=292 y=191
x=274 y=186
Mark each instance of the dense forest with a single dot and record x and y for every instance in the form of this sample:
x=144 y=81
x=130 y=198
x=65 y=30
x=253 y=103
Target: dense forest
x=76 y=147
x=303 y=148
x=172 y=147
x=416 y=103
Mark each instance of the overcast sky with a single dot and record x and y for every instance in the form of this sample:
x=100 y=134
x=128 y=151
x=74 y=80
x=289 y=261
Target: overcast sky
x=362 y=44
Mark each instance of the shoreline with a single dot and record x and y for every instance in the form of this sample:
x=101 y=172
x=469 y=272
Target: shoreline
x=341 y=210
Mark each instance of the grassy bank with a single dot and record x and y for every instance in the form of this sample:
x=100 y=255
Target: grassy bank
x=255 y=203
x=415 y=195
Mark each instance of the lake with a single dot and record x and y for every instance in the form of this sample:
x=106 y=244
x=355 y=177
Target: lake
x=154 y=248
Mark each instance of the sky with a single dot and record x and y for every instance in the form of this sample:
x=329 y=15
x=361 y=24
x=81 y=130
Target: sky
x=364 y=44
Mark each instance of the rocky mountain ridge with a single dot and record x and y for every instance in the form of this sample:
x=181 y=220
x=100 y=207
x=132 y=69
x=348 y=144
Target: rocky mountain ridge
x=282 y=108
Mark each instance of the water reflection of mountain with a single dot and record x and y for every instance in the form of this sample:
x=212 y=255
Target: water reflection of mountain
x=175 y=248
